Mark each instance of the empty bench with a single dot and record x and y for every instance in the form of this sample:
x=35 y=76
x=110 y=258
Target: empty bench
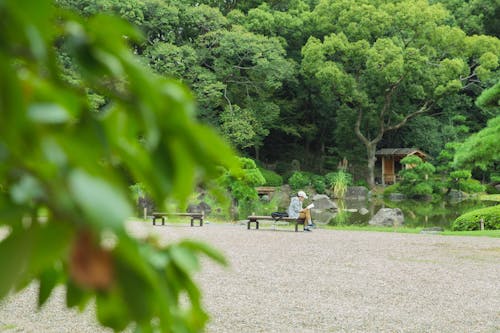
x=193 y=216
x=255 y=219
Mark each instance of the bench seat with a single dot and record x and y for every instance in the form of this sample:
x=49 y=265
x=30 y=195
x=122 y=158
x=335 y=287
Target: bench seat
x=194 y=216
x=256 y=218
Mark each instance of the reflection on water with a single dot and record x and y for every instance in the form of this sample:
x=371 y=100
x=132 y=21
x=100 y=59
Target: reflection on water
x=416 y=213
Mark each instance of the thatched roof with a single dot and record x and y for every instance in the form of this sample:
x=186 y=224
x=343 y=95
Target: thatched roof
x=400 y=152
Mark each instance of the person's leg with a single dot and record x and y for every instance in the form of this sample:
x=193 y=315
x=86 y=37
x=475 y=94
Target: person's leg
x=303 y=215
x=308 y=217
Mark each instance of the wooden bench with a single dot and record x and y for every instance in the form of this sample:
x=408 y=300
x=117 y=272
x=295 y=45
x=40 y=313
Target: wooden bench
x=256 y=218
x=194 y=216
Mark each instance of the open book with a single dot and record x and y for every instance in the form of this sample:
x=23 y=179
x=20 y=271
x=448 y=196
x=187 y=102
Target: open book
x=310 y=206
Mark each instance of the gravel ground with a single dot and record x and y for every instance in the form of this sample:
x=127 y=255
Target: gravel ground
x=323 y=281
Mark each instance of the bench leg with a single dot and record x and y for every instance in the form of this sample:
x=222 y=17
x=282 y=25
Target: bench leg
x=192 y=222
x=201 y=222
x=154 y=221
x=256 y=224
x=162 y=221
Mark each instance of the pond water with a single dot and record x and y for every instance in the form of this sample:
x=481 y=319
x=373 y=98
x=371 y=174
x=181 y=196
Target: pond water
x=417 y=213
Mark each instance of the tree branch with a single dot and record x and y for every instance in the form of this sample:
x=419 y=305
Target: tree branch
x=423 y=109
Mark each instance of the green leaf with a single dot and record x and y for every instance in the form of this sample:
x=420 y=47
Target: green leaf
x=138 y=295
x=184 y=259
x=48 y=281
x=48 y=113
x=14 y=257
x=75 y=296
x=103 y=204
x=111 y=310
x=205 y=249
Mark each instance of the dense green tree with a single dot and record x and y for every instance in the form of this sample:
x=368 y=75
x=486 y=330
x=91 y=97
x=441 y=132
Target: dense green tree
x=481 y=149
x=388 y=62
x=251 y=67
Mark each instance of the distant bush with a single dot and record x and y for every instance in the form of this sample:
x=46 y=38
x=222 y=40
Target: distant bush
x=462 y=180
x=271 y=177
x=417 y=177
x=388 y=190
x=318 y=183
x=362 y=182
x=299 y=180
x=471 y=220
x=491 y=189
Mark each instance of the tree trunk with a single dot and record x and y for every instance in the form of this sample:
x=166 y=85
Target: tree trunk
x=371 y=148
x=257 y=153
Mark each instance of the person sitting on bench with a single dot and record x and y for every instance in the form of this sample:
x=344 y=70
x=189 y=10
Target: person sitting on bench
x=295 y=210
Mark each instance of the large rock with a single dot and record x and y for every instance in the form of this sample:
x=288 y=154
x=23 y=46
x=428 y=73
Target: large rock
x=356 y=193
x=322 y=216
x=363 y=211
x=388 y=217
x=199 y=208
x=323 y=202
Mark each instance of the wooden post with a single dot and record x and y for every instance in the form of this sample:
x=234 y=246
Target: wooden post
x=481 y=224
x=145 y=212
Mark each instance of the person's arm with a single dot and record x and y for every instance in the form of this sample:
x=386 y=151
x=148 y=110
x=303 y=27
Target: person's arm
x=295 y=207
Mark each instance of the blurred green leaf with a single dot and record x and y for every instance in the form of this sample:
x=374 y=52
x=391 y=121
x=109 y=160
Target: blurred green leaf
x=111 y=311
x=14 y=258
x=48 y=280
x=27 y=189
x=103 y=204
x=184 y=259
x=48 y=113
x=75 y=296
x=206 y=249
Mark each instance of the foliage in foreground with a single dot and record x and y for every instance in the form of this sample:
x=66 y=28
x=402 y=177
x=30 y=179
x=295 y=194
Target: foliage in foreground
x=77 y=165
x=471 y=220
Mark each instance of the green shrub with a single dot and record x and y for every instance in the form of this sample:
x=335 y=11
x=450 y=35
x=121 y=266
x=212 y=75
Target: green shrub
x=299 y=180
x=271 y=177
x=491 y=189
x=242 y=186
x=471 y=220
x=362 y=182
x=417 y=178
x=391 y=189
x=318 y=183
x=462 y=180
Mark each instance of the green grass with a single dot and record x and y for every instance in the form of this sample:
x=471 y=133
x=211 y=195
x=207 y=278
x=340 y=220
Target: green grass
x=490 y=197
x=475 y=233
x=407 y=230
x=404 y=230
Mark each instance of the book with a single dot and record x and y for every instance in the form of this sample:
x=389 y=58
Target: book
x=310 y=206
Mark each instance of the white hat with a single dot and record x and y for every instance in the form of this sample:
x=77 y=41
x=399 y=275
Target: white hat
x=302 y=194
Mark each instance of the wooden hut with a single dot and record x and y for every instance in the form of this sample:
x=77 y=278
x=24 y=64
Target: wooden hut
x=391 y=161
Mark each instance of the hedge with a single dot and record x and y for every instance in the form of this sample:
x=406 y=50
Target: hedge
x=471 y=220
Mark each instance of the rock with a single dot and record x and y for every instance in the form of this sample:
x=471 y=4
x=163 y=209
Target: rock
x=322 y=216
x=323 y=202
x=396 y=196
x=356 y=193
x=388 y=217
x=456 y=195
x=145 y=203
x=363 y=211
x=198 y=208
x=265 y=198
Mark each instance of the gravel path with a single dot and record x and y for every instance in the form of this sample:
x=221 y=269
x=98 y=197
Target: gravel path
x=323 y=281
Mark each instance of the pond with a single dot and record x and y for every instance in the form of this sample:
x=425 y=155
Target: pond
x=417 y=213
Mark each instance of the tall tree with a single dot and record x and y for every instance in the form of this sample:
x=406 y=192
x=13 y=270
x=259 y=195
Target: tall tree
x=388 y=62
